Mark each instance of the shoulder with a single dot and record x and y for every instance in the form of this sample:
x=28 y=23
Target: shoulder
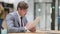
x=12 y=14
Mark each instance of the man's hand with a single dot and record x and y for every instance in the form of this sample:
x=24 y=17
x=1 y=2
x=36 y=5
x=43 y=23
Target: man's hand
x=33 y=23
x=31 y=27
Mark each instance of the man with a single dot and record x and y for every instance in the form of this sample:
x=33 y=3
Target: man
x=17 y=22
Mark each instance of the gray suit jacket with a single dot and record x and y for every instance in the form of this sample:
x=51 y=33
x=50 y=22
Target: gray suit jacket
x=12 y=21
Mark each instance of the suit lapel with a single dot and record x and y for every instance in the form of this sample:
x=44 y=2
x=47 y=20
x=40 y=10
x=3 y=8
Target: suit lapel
x=17 y=19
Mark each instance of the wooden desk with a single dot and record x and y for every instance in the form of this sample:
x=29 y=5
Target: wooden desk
x=54 y=31
x=38 y=32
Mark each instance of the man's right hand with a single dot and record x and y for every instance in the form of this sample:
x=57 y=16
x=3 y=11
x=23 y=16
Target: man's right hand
x=32 y=24
x=29 y=26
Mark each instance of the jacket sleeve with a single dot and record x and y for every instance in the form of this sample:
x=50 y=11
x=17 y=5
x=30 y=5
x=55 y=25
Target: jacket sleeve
x=10 y=25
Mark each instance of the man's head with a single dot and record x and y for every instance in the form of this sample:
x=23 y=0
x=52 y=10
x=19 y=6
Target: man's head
x=22 y=8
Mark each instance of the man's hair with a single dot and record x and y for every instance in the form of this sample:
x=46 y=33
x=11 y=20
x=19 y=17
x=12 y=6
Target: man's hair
x=22 y=5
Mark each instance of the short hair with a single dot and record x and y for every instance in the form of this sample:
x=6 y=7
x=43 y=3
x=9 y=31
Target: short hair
x=22 y=5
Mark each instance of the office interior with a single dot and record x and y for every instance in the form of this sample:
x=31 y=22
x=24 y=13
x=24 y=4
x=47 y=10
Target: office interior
x=49 y=10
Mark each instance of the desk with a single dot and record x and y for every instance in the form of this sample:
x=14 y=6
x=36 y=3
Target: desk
x=38 y=32
x=28 y=33
x=54 y=31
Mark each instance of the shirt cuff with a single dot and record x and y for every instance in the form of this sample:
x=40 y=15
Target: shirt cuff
x=25 y=28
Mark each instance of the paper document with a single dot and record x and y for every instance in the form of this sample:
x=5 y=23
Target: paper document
x=36 y=21
x=33 y=23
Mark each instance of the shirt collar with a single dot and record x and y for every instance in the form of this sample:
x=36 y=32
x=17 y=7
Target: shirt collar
x=18 y=14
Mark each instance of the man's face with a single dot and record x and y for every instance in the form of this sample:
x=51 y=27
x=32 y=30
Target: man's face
x=22 y=12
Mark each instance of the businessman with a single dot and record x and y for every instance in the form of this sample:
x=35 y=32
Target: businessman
x=17 y=22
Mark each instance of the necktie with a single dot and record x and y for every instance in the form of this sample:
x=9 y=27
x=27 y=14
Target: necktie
x=21 y=22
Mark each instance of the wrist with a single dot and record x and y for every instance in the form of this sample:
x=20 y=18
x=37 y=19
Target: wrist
x=25 y=28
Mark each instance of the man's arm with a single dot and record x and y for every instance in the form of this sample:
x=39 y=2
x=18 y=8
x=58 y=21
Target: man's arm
x=10 y=25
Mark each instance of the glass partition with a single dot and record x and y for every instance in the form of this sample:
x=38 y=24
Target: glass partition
x=44 y=10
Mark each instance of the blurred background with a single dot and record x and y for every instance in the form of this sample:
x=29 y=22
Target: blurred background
x=48 y=9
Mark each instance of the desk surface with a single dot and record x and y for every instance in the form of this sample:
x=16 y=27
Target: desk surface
x=27 y=33
x=38 y=32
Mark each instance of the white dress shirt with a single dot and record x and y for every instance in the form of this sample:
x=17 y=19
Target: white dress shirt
x=20 y=20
